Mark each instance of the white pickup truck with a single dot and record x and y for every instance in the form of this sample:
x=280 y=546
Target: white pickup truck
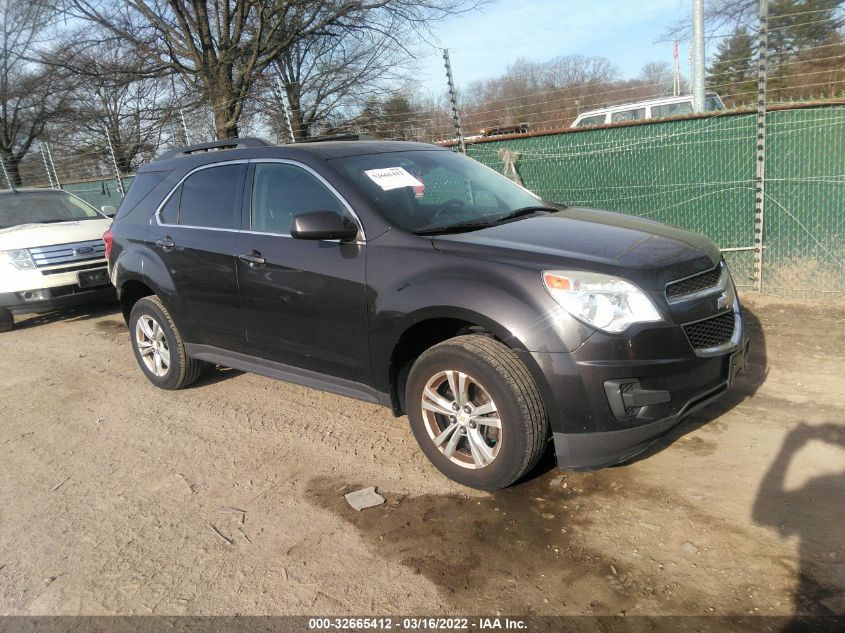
x=52 y=253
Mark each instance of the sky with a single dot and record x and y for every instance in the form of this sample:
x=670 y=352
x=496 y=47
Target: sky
x=482 y=43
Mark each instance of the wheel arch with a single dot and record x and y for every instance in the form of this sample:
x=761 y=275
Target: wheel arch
x=430 y=326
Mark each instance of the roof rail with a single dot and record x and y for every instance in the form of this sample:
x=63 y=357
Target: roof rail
x=338 y=137
x=225 y=143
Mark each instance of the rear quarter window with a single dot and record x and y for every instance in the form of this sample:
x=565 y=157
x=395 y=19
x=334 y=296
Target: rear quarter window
x=140 y=188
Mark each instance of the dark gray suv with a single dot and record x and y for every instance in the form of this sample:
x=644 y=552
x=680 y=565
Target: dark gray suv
x=410 y=276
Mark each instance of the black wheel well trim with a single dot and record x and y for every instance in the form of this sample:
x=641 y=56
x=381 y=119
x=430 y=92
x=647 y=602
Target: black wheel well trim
x=142 y=288
x=429 y=328
x=130 y=292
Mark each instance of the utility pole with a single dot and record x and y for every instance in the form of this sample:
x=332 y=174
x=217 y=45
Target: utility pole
x=698 y=55
x=114 y=164
x=453 y=100
x=760 y=176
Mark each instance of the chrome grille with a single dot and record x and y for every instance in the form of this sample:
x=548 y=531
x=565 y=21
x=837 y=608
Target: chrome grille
x=697 y=283
x=68 y=253
x=712 y=332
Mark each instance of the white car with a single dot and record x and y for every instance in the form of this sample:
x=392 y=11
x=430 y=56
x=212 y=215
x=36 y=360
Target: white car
x=52 y=253
x=651 y=109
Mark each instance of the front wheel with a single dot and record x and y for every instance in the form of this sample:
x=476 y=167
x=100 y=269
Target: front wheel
x=476 y=412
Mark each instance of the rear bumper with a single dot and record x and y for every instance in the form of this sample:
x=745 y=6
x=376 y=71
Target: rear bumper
x=59 y=297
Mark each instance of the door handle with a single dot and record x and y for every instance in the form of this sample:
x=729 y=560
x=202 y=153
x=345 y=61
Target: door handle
x=166 y=243
x=253 y=259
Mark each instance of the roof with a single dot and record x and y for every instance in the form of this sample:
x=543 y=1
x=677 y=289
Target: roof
x=323 y=150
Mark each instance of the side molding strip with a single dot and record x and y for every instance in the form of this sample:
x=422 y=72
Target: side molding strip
x=279 y=371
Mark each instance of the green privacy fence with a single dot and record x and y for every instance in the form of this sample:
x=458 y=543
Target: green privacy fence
x=699 y=173
x=99 y=193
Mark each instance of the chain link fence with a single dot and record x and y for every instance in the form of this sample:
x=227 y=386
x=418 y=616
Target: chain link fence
x=699 y=173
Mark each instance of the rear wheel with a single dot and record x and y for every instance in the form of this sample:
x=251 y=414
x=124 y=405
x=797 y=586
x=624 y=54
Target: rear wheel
x=159 y=347
x=476 y=412
x=7 y=321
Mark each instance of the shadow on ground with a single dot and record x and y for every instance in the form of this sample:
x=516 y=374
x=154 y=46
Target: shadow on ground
x=82 y=312
x=813 y=512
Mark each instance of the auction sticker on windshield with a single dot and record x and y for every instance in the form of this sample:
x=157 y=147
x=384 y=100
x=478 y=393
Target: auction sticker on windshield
x=392 y=178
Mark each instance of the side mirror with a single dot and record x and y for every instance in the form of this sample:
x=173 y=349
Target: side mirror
x=322 y=225
x=108 y=210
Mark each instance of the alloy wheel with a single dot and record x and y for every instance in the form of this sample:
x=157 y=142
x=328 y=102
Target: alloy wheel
x=461 y=419
x=152 y=345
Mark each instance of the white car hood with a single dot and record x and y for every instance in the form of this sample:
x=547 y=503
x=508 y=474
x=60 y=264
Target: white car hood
x=32 y=235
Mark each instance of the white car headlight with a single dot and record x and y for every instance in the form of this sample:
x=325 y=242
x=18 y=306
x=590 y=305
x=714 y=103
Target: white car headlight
x=20 y=259
x=602 y=301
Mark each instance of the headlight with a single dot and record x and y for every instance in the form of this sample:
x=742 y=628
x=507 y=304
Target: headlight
x=603 y=301
x=20 y=259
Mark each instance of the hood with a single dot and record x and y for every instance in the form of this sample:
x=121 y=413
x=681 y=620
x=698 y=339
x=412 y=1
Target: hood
x=32 y=235
x=648 y=253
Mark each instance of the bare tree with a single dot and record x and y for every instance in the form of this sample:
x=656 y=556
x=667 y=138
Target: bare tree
x=222 y=47
x=110 y=103
x=30 y=94
x=659 y=76
x=328 y=75
x=541 y=94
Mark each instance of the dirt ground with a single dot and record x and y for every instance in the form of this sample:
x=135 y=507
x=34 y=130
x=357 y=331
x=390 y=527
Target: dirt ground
x=226 y=498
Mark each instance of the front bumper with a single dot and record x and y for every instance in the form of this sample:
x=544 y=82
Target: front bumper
x=611 y=399
x=58 y=297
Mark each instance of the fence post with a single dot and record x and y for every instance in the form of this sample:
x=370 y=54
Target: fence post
x=53 y=165
x=698 y=56
x=114 y=164
x=6 y=175
x=46 y=166
x=184 y=126
x=453 y=100
x=760 y=181
x=283 y=98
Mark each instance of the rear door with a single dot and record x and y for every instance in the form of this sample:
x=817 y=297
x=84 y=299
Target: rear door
x=195 y=234
x=303 y=302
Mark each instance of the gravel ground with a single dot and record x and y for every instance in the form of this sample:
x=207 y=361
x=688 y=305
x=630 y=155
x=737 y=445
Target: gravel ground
x=227 y=498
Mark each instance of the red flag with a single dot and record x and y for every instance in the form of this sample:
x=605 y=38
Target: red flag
x=675 y=52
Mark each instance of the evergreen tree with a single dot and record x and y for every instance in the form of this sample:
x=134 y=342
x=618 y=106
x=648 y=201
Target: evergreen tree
x=733 y=70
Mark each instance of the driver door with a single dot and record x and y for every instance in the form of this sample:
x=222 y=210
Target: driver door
x=303 y=302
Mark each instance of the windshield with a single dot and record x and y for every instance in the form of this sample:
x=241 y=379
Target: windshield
x=431 y=191
x=28 y=207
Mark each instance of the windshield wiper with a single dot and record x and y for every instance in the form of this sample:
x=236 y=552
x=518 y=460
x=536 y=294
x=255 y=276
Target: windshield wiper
x=475 y=224
x=523 y=211
x=460 y=227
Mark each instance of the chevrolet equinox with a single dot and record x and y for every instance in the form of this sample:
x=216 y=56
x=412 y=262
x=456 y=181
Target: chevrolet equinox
x=410 y=276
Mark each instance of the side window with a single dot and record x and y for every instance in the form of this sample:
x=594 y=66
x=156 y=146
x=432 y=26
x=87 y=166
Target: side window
x=628 y=115
x=671 y=109
x=596 y=119
x=170 y=211
x=209 y=198
x=281 y=191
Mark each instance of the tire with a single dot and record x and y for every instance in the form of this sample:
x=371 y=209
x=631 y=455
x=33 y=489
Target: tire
x=496 y=385
x=7 y=321
x=158 y=346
